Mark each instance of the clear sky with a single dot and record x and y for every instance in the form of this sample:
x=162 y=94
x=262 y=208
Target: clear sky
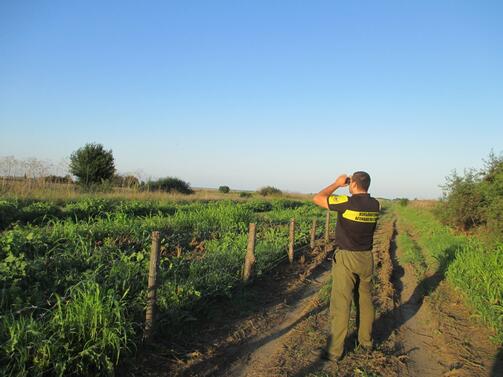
x=253 y=93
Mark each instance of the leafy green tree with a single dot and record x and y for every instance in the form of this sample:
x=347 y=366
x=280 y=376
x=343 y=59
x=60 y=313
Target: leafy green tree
x=224 y=189
x=92 y=164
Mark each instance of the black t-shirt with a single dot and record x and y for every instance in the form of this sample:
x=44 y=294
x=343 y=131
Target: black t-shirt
x=356 y=220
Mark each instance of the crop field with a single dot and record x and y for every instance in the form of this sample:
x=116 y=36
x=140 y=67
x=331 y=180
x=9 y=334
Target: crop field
x=73 y=274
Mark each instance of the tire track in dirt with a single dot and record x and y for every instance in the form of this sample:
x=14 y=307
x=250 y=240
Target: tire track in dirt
x=289 y=354
x=435 y=329
x=261 y=353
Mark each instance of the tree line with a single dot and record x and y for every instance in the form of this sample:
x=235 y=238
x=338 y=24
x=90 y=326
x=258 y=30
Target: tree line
x=93 y=167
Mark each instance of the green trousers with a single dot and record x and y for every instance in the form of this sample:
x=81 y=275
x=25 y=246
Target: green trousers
x=351 y=275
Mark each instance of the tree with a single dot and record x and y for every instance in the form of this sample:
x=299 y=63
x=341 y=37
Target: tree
x=224 y=189
x=92 y=164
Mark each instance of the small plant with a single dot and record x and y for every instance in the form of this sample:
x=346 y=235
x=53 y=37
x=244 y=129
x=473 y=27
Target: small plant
x=224 y=189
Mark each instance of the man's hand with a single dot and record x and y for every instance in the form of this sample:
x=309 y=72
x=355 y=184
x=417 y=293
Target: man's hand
x=341 y=180
x=321 y=199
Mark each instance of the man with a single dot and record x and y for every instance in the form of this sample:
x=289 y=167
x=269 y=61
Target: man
x=352 y=264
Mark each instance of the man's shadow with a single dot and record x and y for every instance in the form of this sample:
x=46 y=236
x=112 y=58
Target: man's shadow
x=497 y=368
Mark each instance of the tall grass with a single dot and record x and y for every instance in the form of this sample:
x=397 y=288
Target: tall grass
x=42 y=190
x=474 y=268
x=84 y=335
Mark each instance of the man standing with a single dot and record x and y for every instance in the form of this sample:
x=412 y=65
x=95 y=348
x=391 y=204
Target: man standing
x=352 y=264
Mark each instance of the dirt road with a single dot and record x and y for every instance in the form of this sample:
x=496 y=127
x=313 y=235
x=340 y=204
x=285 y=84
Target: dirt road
x=422 y=327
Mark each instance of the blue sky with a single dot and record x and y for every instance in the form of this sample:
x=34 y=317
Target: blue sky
x=254 y=93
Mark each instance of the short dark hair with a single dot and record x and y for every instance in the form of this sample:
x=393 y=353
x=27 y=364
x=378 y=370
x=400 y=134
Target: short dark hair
x=362 y=180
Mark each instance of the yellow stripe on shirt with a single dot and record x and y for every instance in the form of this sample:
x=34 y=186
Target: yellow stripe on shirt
x=337 y=199
x=361 y=216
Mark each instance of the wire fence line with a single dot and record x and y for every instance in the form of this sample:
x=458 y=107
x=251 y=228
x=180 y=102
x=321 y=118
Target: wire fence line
x=236 y=274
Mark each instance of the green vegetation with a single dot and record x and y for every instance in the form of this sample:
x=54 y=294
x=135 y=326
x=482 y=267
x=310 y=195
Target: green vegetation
x=475 y=268
x=411 y=253
x=475 y=199
x=269 y=190
x=92 y=165
x=73 y=274
x=403 y=201
x=169 y=184
x=224 y=189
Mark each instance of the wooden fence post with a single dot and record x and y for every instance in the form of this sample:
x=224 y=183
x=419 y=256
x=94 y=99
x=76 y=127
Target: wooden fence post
x=250 y=253
x=291 y=240
x=152 y=286
x=327 y=229
x=313 y=234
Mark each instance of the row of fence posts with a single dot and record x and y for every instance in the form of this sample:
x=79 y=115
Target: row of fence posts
x=247 y=271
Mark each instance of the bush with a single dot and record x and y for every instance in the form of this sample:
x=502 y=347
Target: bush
x=279 y=204
x=58 y=179
x=258 y=205
x=170 y=184
x=475 y=198
x=462 y=203
x=404 y=202
x=92 y=164
x=224 y=189
x=129 y=181
x=9 y=213
x=269 y=190
x=244 y=194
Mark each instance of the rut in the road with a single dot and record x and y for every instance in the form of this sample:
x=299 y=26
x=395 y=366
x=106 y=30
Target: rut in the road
x=437 y=335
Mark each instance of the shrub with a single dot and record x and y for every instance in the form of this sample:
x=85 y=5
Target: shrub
x=92 y=164
x=129 y=181
x=37 y=211
x=244 y=194
x=269 y=190
x=475 y=198
x=279 y=204
x=58 y=179
x=462 y=205
x=9 y=212
x=258 y=205
x=403 y=202
x=170 y=184
x=224 y=189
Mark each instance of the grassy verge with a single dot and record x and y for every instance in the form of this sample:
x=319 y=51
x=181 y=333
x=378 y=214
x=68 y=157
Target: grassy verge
x=473 y=268
x=411 y=253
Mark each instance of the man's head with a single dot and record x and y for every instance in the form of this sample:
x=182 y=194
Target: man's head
x=360 y=182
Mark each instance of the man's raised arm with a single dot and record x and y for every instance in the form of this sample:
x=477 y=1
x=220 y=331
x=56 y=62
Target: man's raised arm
x=321 y=198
